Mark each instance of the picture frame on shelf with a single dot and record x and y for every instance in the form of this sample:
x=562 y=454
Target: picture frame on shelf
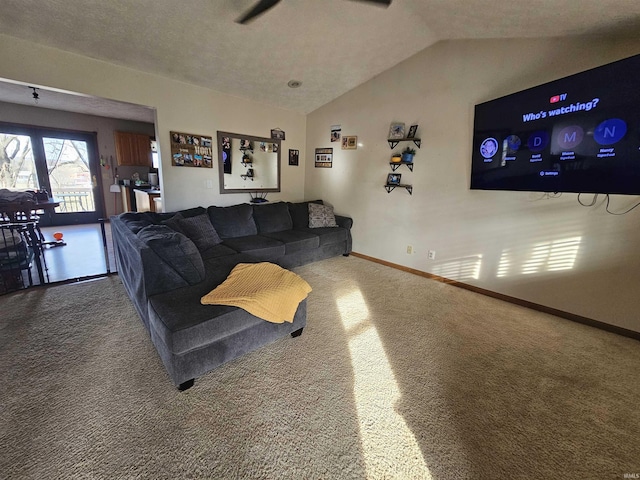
x=412 y=131
x=396 y=131
x=394 y=178
x=246 y=144
x=349 y=142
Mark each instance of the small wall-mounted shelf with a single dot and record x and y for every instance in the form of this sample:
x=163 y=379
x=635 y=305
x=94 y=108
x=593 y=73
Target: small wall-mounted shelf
x=393 y=142
x=249 y=175
x=246 y=162
x=390 y=188
x=396 y=165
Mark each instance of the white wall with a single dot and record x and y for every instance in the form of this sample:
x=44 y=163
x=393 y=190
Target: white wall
x=179 y=106
x=507 y=242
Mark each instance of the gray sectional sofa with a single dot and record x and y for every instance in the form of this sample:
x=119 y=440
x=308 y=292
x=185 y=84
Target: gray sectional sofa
x=168 y=261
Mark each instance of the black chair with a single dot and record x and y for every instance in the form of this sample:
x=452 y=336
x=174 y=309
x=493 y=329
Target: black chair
x=16 y=256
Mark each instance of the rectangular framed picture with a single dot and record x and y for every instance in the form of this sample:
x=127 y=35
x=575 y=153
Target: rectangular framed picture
x=335 y=133
x=294 y=157
x=324 y=158
x=349 y=143
x=394 y=178
x=412 y=131
x=277 y=134
x=188 y=150
x=396 y=131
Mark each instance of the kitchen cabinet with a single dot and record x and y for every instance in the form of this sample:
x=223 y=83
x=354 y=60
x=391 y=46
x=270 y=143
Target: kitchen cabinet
x=133 y=149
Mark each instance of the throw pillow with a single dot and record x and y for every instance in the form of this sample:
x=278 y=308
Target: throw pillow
x=174 y=223
x=200 y=230
x=321 y=216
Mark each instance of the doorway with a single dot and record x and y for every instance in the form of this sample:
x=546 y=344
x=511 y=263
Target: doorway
x=63 y=162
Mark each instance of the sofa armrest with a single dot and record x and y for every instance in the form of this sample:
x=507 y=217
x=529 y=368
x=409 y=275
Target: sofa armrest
x=344 y=222
x=142 y=271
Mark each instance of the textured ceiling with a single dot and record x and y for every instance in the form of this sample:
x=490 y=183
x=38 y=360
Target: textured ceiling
x=332 y=46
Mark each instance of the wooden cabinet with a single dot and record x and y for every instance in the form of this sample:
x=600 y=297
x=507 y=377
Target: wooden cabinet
x=133 y=149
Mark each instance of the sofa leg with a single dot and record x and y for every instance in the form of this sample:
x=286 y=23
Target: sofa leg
x=186 y=385
x=297 y=333
x=345 y=254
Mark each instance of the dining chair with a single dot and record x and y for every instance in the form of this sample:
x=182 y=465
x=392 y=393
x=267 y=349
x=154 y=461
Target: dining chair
x=16 y=256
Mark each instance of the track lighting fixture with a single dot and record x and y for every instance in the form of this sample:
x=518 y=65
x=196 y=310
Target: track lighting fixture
x=35 y=94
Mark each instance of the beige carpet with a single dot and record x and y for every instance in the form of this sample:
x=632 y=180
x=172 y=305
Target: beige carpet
x=395 y=376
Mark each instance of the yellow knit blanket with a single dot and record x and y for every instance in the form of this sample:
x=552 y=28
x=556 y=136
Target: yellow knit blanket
x=263 y=289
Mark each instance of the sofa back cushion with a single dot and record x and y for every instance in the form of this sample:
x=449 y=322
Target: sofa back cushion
x=197 y=228
x=192 y=212
x=175 y=250
x=135 y=221
x=272 y=217
x=300 y=213
x=234 y=221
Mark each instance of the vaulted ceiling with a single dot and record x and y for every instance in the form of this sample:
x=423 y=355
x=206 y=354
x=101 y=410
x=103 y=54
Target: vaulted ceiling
x=331 y=46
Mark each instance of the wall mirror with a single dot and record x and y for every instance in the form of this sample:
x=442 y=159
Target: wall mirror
x=248 y=164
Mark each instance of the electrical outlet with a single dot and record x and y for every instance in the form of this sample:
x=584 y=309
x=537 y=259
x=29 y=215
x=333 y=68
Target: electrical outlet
x=208 y=184
x=409 y=249
x=432 y=255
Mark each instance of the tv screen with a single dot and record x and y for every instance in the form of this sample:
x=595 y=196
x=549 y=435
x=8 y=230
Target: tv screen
x=577 y=134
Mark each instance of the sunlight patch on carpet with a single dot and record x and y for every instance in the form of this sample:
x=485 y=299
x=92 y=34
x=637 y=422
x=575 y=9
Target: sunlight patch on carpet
x=389 y=447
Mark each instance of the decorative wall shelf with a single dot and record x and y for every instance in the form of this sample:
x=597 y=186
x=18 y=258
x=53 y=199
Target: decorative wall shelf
x=393 y=142
x=390 y=188
x=396 y=165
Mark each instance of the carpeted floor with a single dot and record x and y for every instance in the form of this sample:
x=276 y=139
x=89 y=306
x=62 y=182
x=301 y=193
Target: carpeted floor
x=395 y=376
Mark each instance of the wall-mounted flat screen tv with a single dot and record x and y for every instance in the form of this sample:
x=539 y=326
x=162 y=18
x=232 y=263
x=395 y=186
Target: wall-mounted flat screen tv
x=577 y=134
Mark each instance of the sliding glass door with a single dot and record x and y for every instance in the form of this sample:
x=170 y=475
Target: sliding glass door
x=64 y=163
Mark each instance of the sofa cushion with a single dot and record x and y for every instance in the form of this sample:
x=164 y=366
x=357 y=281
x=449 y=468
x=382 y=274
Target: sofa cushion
x=272 y=217
x=321 y=216
x=328 y=235
x=135 y=221
x=184 y=324
x=300 y=213
x=175 y=250
x=192 y=212
x=174 y=223
x=258 y=246
x=295 y=240
x=234 y=221
x=219 y=250
x=197 y=228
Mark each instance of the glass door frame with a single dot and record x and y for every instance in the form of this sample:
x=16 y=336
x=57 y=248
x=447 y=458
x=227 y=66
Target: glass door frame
x=37 y=133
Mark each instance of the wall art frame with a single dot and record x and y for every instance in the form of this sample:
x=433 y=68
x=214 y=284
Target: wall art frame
x=190 y=150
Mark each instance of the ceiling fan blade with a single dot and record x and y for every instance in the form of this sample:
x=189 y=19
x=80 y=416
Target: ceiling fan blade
x=258 y=9
x=384 y=3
